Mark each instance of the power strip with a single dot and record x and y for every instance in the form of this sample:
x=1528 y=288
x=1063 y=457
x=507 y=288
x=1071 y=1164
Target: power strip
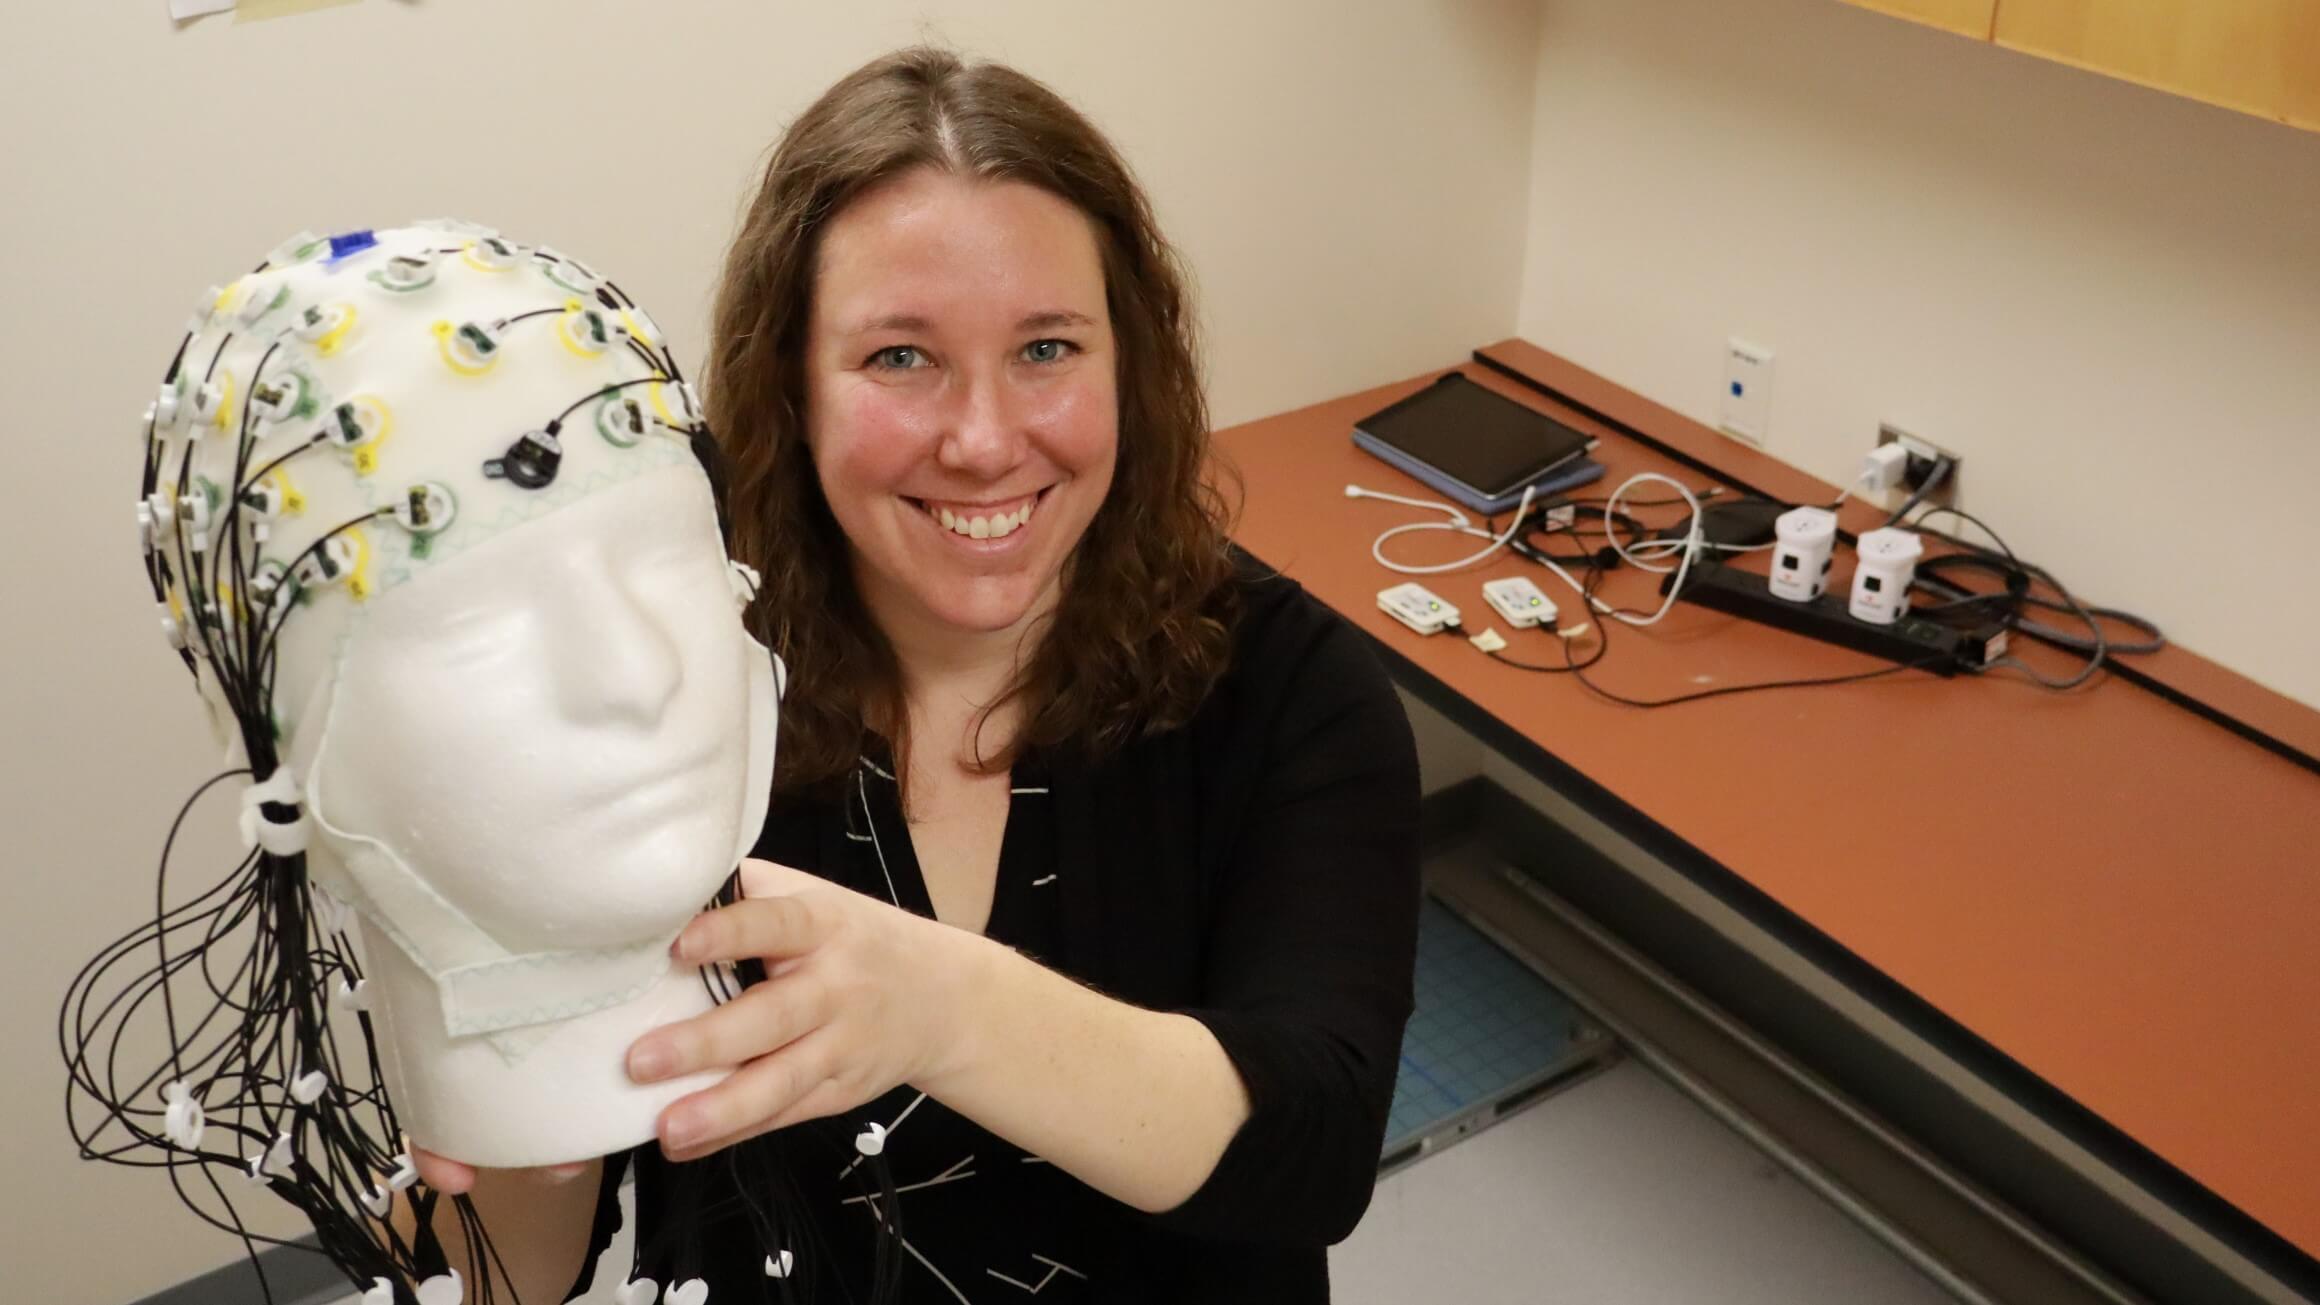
x=1942 y=649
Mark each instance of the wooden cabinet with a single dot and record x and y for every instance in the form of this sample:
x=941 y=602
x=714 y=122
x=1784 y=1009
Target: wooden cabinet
x=1965 y=17
x=2257 y=56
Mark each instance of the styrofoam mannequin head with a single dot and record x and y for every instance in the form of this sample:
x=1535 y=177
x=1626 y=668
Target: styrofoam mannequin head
x=532 y=733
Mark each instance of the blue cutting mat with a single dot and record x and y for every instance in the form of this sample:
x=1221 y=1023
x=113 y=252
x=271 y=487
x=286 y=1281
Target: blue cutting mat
x=1485 y=1029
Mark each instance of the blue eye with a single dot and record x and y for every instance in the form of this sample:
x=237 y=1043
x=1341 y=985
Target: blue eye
x=900 y=357
x=1046 y=351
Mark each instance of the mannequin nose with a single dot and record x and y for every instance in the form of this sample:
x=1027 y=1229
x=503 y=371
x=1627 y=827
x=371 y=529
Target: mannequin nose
x=618 y=662
x=985 y=439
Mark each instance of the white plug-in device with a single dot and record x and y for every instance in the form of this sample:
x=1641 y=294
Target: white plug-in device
x=1881 y=579
x=1418 y=607
x=1804 y=542
x=1520 y=602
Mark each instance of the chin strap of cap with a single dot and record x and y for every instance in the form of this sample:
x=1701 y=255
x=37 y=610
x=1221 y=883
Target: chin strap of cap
x=282 y=838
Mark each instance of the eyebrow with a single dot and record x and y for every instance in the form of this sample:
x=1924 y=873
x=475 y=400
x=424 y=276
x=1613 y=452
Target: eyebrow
x=912 y=322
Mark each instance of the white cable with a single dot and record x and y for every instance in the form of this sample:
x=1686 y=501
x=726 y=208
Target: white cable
x=1691 y=543
x=1458 y=522
x=1692 y=540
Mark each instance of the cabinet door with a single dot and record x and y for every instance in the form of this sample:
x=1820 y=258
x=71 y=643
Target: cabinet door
x=1965 y=17
x=2258 y=56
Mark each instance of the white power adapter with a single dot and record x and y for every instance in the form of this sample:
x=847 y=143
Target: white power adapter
x=1520 y=602
x=1805 y=539
x=1418 y=607
x=1881 y=579
x=1883 y=468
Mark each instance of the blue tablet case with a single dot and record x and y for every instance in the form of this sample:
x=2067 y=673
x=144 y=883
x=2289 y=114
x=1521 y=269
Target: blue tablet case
x=1570 y=475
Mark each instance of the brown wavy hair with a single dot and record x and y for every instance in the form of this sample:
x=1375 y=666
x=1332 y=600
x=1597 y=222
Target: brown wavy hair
x=1142 y=629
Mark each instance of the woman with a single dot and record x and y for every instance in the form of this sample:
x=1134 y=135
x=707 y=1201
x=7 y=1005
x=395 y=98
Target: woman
x=1108 y=853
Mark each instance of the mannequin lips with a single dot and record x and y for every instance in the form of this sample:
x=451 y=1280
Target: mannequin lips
x=661 y=784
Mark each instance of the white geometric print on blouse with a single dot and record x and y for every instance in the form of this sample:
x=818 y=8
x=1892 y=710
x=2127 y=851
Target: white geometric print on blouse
x=957 y=1173
x=950 y=1175
x=1055 y=1268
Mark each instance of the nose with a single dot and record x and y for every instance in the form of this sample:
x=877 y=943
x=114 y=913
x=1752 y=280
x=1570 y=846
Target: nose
x=613 y=658
x=984 y=438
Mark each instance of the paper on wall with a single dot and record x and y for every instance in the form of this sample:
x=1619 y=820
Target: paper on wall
x=253 y=10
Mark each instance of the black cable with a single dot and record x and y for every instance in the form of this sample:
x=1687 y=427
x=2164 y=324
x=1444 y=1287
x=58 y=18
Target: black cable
x=1730 y=689
x=1933 y=481
x=1601 y=622
x=558 y=424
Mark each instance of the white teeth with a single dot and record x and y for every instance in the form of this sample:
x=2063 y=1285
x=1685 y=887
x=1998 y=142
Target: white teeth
x=984 y=527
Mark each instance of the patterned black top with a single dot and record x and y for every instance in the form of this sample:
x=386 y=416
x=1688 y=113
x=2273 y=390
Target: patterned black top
x=1254 y=868
x=982 y=1221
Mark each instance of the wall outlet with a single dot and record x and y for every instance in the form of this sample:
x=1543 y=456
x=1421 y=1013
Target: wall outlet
x=1923 y=455
x=1747 y=406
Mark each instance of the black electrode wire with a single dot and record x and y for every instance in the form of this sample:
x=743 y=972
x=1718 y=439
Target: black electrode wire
x=249 y=1244
x=608 y=391
x=230 y=536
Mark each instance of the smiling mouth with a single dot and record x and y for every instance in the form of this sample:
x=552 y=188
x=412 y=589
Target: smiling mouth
x=981 y=520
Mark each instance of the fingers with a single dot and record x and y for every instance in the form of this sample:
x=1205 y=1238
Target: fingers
x=766 y=878
x=746 y=1103
x=764 y=1019
x=757 y=928
x=442 y=1173
x=452 y=1178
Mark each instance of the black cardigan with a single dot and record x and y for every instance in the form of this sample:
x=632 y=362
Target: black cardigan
x=1256 y=869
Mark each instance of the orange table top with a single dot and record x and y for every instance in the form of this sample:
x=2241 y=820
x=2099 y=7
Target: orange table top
x=2119 y=895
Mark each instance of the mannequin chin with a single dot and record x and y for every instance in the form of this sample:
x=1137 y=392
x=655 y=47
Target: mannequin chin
x=562 y=741
x=568 y=1098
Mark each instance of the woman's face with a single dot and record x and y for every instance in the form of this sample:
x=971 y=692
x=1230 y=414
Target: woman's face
x=961 y=405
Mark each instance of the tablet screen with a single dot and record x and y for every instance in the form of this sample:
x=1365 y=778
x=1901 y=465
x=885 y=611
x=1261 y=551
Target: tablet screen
x=1475 y=436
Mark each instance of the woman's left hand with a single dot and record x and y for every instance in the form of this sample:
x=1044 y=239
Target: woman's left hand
x=860 y=997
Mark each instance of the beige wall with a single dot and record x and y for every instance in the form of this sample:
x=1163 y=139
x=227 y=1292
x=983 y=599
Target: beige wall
x=1348 y=185
x=2098 y=294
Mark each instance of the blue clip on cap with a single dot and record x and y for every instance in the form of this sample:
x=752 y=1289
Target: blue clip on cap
x=353 y=242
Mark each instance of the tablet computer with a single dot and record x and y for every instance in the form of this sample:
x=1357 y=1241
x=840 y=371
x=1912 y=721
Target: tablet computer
x=1472 y=443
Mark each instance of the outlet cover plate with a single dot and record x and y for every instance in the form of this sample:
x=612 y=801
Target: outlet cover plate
x=1747 y=403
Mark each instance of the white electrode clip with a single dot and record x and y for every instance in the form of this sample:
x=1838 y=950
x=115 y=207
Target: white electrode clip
x=1418 y=607
x=183 y=1121
x=287 y=838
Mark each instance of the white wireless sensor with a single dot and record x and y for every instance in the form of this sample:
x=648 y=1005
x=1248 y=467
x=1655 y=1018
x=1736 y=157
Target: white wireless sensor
x=1805 y=539
x=1882 y=577
x=1520 y=602
x=1418 y=607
